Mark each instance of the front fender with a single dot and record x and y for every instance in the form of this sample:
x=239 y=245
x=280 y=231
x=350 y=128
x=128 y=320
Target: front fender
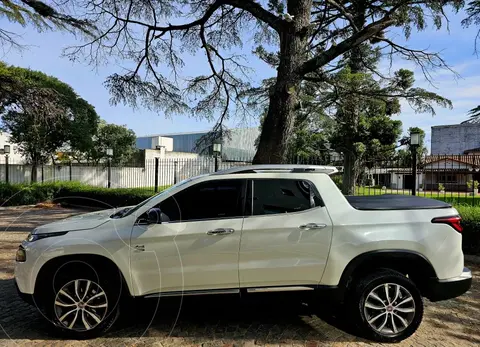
x=107 y=242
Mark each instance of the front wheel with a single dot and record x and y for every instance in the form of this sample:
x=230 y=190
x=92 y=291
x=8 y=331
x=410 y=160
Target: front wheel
x=80 y=305
x=83 y=303
x=386 y=307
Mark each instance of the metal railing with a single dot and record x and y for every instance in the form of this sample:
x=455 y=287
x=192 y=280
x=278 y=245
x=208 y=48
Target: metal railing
x=449 y=177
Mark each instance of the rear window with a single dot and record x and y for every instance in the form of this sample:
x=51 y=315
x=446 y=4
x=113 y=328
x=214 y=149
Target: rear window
x=275 y=196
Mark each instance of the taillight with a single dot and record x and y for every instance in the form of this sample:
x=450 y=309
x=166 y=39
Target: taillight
x=453 y=221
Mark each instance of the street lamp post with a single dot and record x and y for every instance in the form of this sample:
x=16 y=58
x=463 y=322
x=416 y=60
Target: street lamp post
x=109 y=155
x=217 y=150
x=70 y=167
x=414 y=143
x=6 y=150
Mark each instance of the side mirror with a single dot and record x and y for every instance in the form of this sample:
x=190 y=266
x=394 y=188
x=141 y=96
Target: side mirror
x=156 y=216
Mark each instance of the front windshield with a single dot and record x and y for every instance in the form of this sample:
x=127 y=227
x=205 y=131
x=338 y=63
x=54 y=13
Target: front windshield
x=164 y=192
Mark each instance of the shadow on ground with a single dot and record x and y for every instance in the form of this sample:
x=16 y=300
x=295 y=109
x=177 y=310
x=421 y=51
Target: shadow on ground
x=265 y=319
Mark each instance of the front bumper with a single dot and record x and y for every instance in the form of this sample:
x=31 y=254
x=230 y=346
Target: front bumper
x=28 y=298
x=451 y=288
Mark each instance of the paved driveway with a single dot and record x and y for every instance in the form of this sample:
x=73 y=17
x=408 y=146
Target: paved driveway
x=214 y=321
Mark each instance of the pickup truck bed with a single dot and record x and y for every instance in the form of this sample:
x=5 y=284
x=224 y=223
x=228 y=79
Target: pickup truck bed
x=394 y=202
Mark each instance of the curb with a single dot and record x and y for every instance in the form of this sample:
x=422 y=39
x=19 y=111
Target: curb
x=38 y=207
x=16 y=207
x=475 y=259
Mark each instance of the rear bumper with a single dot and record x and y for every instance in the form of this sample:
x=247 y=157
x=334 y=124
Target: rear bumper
x=447 y=289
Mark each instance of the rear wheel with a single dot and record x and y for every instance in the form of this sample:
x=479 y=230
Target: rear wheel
x=386 y=306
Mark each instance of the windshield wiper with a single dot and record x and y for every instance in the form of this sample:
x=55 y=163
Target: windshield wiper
x=121 y=213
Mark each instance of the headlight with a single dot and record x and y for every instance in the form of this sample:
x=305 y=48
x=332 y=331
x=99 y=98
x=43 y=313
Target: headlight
x=21 y=255
x=34 y=237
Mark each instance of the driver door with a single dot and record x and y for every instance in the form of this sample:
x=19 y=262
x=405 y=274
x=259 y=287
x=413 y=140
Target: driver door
x=196 y=247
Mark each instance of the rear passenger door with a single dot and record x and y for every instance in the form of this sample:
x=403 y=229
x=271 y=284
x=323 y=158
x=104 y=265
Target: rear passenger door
x=286 y=234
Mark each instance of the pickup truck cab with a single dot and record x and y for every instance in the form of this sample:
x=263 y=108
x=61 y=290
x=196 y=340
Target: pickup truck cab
x=250 y=229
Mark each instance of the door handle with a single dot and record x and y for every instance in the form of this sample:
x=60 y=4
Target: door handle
x=139 y=248
x=220 y=231
x=312 y=226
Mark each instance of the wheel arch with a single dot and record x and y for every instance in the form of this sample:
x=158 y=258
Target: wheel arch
x=410 y=263
x=95 y=260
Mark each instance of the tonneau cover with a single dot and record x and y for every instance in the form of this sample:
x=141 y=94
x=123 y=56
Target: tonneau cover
x=394 y=202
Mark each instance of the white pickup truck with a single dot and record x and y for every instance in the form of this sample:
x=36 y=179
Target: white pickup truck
x=250 y=229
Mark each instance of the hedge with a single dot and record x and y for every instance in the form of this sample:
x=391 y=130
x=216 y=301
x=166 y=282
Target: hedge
x=71 y=193
x=471 y=228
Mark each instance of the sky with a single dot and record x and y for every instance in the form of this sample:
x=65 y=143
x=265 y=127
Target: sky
x=44 y=53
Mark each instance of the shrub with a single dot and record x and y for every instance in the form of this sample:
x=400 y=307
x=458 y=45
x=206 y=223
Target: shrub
x=72 y=193
x=441 y=187
x=471 y=228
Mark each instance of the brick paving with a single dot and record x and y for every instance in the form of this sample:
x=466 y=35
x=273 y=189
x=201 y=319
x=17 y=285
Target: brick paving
x=214 y=321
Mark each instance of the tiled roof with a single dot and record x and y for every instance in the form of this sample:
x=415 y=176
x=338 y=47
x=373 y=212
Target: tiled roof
x=471 y=150
x=472 y=160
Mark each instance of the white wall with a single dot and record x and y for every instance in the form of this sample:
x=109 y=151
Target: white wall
x=170 y=170
x=166 y=142
x=398 y=180
x=151 y=154
x=181 y=155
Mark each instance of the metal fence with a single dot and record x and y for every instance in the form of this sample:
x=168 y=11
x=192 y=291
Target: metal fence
x=150 y=174
x=447 y=177
x=440 y=176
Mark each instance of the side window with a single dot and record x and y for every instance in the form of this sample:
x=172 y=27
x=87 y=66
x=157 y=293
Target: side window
x=207 y=200
x=273 y=196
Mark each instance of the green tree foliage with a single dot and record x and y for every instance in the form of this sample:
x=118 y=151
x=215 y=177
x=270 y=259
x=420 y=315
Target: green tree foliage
x=359 y=105
x=117 y=137
x=473 y=18
x=43 y=114
x=305 y=39
x=364 y=131
x=363 y=106
x=309 y=141
x=41 y=16
x=474 y=115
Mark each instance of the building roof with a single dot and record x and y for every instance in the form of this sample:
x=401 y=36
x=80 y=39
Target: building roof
x=455 y=125
x=174 y=134
x=191 y=132
x=471 y=150
x=472 y=160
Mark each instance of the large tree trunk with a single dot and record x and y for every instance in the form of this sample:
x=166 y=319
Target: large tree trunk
x=278 y=125
x=33 y=173
x=349 y=172
x=350 y=117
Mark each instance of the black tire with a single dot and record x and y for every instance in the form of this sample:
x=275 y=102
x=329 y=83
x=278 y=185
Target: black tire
x=360 y=314
x=83 y=275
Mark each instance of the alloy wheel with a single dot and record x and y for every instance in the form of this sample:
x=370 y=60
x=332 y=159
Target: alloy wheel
x=81 y=305
x=389 y=309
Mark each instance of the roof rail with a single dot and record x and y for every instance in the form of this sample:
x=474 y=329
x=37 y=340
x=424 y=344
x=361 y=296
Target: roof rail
x=281 y=168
